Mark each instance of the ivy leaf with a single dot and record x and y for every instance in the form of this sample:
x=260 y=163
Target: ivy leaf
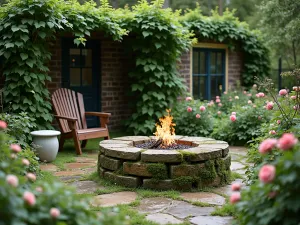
x=24 y=56
x=9 y=45
x=27 y=79
x=50 y=24
x=158 y=45
x=29 y=63
x=42 y=34
x=146 y=33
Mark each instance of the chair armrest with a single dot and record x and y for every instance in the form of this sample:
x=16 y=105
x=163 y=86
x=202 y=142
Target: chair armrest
x=66 y=118
x=99 y=114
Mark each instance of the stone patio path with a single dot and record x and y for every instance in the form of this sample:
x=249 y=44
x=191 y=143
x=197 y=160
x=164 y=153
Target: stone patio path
x=160 y=210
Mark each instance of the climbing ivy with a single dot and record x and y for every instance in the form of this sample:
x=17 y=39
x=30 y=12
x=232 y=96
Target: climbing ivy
x=227 y=29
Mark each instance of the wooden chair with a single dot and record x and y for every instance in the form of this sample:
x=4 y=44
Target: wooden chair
x=70 y=114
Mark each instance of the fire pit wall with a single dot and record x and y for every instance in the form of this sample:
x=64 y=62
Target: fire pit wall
x=205 y=164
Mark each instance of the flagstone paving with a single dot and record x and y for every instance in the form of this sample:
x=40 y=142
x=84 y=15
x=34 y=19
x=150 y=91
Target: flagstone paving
x=160 y=210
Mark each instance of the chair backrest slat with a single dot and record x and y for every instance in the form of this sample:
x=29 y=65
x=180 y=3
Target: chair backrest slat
x=70 y=104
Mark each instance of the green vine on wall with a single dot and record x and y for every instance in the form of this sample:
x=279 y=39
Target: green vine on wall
x=227 y=29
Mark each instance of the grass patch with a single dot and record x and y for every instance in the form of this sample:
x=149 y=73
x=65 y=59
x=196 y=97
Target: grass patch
x=200 y=204
x=146 y=193
x=46 y=176
x=235 y=175
x=63 y=158
x=226 y=210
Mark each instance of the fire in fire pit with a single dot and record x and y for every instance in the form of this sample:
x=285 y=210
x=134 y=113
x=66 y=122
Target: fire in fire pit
x=165 y=135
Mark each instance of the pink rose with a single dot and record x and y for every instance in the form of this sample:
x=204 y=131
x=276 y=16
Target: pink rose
x=293 y=97
x=29 y=198
x=16 y=148
x=26 y=162
x=249 y=102
x=225 y=92
x=202 y=108
x=54 y=212
x=260 y=95
x=188 y=98
x=245 y=92
x=287 y=141
x=3 y=125
x=31 y=176
x=278 y=122
x=254 y=86
x=198 y=116
x=249 y=95
x=218 y=100
x=217 y=97
x=267 y=174
x=235 y=187
x=295 y=107
x=12 y=180
x=233 y=118
x=272 y=132
x=283 y=92
x=267 y=145
x=236 y=97
x=235 y=197
x=39 y=189
x=295 y=88
x=269 y=105
x=219 y=112
x=233 y=113
x=189 y=109
x=220 y=104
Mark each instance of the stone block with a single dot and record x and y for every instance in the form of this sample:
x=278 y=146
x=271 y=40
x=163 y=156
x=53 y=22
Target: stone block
x=186 y=170
x=201 y=154
x=101 y=171
x=138 y=169
x=130 y=143
x=165 y=185
x=127 y=181
x=129 y=153
x=109 y=163
x=202 y=183
x=166 y=156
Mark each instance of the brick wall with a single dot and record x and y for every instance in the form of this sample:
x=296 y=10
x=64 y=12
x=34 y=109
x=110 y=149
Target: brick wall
x=55 y=66
x=184 y=69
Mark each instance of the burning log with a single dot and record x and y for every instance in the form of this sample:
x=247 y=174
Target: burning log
x=156 y=144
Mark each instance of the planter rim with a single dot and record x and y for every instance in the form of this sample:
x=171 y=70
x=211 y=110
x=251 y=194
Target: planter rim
x=45 y=133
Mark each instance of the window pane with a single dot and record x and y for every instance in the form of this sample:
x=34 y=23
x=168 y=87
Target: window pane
x=199 y=87
x=74 y=57
x=202 y=63
x=86 y=58
x=87 y=79
x=216 y=86
x=213 y=62
x=219 y=63
x=195 y=62
x=74 y=77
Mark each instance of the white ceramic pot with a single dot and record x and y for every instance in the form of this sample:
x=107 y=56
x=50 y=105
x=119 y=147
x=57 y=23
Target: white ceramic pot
x=46 y=144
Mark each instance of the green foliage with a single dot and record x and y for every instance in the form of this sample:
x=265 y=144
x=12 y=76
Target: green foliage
x=187 y=123
x=14 y=210
x=158 y=43
x=29 y=154
x=227 y=29
x=257 y=206
x=19 y=127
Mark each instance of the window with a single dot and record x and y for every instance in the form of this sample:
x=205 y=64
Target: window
x=208 y=73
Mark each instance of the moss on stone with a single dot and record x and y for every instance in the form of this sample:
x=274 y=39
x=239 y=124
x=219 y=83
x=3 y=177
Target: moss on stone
x=181 y=181
x=186 y=155
x=209 y=171
x=158 y=170
x=223 y=169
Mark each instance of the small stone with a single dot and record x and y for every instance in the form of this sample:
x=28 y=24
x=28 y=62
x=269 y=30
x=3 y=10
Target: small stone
x=48 y=167
x=70 y=178
x=130 y=153
x=79 y=165
x=169 y=156
x=183 y=210
x=236 y=166
x=154 y=205
x=205 y=197
x=138 y=169
x=109 y=163
x=68 y=173
x=186 y=170
x=163 y=219
x=239 y=150
x=127 y=181
x=211 y=220
x=85 y=160
x=90 y=170
x=86 y=187
x=117 y=198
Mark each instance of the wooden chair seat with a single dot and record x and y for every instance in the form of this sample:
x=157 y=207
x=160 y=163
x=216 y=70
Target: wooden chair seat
x=70 y=114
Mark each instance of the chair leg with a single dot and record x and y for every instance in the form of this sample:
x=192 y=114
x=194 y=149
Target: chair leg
x=61 y=143
x=76 y=142
x=83 y=143
x=107 y=137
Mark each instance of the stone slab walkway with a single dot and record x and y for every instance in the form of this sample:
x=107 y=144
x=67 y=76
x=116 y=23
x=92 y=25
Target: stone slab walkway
x=160 y=210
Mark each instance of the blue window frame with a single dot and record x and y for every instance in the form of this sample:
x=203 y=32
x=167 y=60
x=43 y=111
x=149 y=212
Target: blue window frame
x=208 y=73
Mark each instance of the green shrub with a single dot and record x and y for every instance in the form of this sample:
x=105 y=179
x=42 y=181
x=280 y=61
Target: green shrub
x=21 y=203
x=19 y=127
x=29 y=154
x=278 y=201
x=187 y=123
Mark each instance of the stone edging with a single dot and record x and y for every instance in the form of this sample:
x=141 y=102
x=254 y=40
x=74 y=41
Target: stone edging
x=207 y=163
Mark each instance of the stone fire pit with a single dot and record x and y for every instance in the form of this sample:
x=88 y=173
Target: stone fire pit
x=205 y=164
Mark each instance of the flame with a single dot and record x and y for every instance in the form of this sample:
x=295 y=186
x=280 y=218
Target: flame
x=165 y=129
